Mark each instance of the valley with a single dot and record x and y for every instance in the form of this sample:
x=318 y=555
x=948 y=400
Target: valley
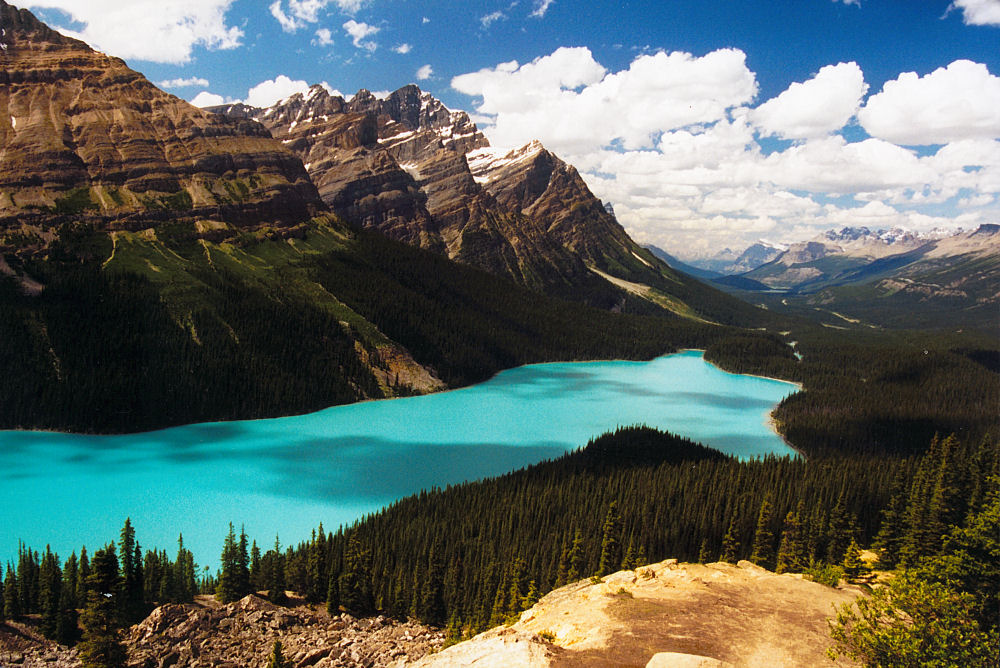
x=355 y=311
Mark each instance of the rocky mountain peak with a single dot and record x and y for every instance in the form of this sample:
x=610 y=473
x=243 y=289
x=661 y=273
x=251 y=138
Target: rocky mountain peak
x=20 y=25
x=85 y=138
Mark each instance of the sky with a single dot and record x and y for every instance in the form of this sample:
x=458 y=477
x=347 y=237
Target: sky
x=707 y=124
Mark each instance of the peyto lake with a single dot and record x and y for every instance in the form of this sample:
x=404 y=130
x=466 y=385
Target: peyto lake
x=283 y=476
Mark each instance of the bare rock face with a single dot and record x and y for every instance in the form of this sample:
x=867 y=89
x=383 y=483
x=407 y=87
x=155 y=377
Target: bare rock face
x=241 y=635
x=83 y=137
x=666 y=614
x=423 y=174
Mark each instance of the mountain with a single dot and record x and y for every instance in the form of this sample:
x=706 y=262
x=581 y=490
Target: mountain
x=831 y=256
x=425 y=175
x=84 y=138
x=160 y=264
x=893 y=278
x=728 y=262
x=679 y=265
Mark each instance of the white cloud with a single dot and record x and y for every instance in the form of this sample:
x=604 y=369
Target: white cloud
x=425 y=20
x=658 y=92
x=856 y=3
x=541 y=6
x=184 y=83
x=323 y=37
x=425 y=73
x=403 y=48
x=358 y=32
x=303 y=12
x=959 y=102
x=161 y=31
x=206 y=99
x=979 y=12
x=266 y=93
x=492 y=18
x=671 y=141
x=815 y=108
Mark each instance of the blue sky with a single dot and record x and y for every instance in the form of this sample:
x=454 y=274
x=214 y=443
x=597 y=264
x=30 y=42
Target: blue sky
x=785 y=136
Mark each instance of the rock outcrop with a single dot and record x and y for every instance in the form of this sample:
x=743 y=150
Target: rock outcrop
x=666 y=614
x=425 y=175
x=241 y=635
x=83 y=137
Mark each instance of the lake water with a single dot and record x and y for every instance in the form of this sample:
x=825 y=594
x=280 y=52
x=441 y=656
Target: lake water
x=283 y=476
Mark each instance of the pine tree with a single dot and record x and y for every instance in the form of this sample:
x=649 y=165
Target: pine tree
x=82 y=579
x=276 y=577
x=184 y=573
x=703 y=554
x=562 y=571
x=276 y=659
x=11 y=598
x=889 y=540
x=131 y=602
x=355 y=580
x=629 y=561
x=852 y=560
x=50 y=593
x=3 y=611
x=257 y=580
x=842 y=529
x=243 y=566
x=576 y=558
x=730 y=543
x=67 y=632
x=228 y=589
x=101 y=647
x=433 y=608
x=792 y=548
x=763 y=539
x=611 y=542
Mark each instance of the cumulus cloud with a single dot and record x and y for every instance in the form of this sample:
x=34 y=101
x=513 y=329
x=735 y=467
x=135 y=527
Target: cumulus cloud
x=358 y=32
x=815 y=108
x=978 y=12
x=267 y=93
x=425 y=73
x=672 y=141
x=323 y=37
x=658 y=92
x=301 y=13
x=190 y=82
x=402 y=49
x=961 y=101
x=206 y=99
x=541 y=6
x=161 y=31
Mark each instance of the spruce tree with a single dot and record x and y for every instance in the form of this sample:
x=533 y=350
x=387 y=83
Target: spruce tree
x=3 y=611
x=81 y=581
x=611 y=542
x=228 y=589
x=276 y=658
x=355 y=580
x=11 y=598
x=50 y=593
x=792 y=549
x=101 y=647
x=763 y=539
x=131 y=602
x=576 y=558
x=67 y=632
x=730 y=543
x=276 y=578
x=433 y=609
x=184 y=573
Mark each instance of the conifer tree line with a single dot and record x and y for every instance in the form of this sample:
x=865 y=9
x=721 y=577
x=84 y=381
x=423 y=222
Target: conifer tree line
x=474 y=555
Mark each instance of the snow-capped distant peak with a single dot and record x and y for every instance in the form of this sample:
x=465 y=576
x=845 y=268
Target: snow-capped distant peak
x=484 y=162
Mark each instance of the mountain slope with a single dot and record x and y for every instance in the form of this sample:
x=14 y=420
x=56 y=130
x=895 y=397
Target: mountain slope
x=895 y=279
x=161 y=265
x=425 y=175
x=83 y=137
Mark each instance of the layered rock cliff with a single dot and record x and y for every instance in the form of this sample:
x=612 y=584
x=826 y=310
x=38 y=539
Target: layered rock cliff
x=425 y=175
x=83 y=137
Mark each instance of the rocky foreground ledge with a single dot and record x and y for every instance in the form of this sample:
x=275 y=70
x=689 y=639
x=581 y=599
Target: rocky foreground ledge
x=241 y=635
x=663 y=615
x=666 y=615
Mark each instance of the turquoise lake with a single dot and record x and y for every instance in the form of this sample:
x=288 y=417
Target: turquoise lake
x=286 y=475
